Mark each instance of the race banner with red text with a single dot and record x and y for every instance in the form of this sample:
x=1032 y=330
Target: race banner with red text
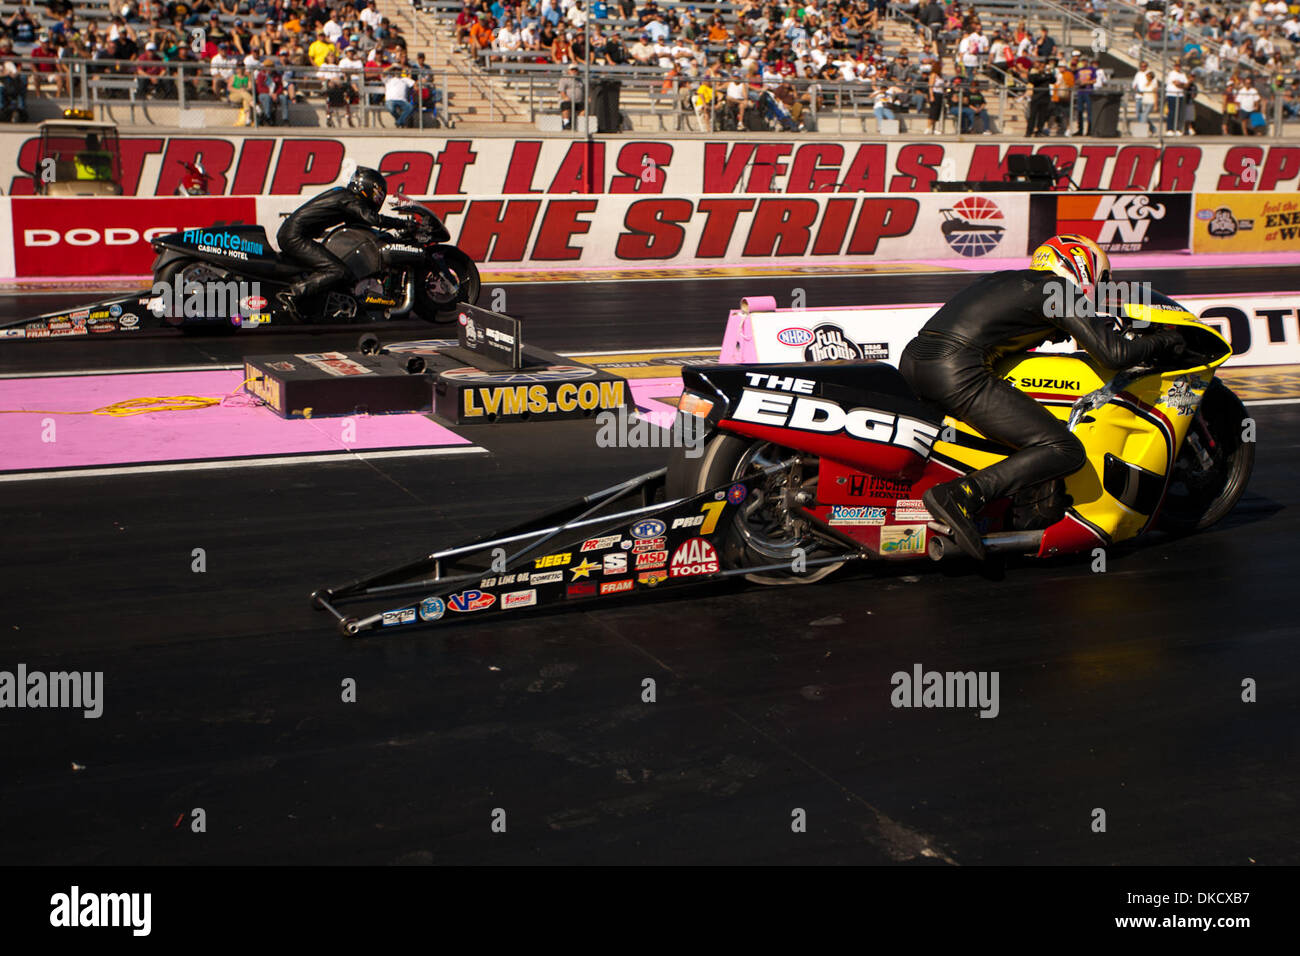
x=110 y=236
x=544 y=166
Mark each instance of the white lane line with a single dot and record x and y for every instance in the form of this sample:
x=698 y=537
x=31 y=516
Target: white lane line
x=1274 y=401
x=215 y=464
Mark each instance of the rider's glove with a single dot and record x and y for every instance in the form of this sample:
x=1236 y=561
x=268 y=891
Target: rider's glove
x=393 y=222
x=1168 y=342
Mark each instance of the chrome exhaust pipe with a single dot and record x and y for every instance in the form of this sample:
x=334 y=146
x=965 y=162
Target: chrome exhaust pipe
x=942 y=546
x=408 y=298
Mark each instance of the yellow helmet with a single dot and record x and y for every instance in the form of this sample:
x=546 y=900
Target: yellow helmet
x=1075 y=258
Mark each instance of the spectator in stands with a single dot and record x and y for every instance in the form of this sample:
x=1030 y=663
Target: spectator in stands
x=1145 y=86
x=1085 y=80
x=397 y=95
x=272 y=94
x=151 y=75
x=1045 y=46
x=222 y=68
x=1039 y=81
x=465 y=20
x=561 y=50
x=22 y=26
x=931 y=17
x=577 y=15
x=737 y=101
x=13 y=87
x=241 y=94
x=1175 y=98
x=972 y=50
x=480 y=34
x=320 y=49
x=703 y=102
x=573 y=96
x=1249 y=102
x=936 y=96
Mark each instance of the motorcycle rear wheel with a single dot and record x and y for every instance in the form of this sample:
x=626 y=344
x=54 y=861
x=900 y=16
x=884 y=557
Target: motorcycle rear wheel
x=1207 y=482
x=763 y=532
x=194 y=270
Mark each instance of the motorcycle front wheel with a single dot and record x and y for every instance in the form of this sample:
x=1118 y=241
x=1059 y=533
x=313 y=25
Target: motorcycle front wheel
x=1213 y=466
x=438 y=291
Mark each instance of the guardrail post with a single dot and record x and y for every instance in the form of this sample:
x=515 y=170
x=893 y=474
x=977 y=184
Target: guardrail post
x=180 y=88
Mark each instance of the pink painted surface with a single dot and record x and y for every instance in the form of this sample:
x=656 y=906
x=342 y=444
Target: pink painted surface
x=205 y=433
x=644 y=392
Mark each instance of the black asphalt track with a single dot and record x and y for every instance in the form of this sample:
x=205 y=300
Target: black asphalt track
x=587 y=315
x=1118 y=690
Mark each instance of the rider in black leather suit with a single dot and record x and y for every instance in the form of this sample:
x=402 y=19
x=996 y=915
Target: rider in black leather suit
x=356 y=204
x=951 y=361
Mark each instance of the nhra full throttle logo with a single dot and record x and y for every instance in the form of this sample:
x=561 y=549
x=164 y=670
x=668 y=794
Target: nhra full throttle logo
x=829 y=344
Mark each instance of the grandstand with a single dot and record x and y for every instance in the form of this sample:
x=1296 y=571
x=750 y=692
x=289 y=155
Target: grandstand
x=852 y=67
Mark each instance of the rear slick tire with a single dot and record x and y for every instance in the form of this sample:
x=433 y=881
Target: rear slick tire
x=748 y=540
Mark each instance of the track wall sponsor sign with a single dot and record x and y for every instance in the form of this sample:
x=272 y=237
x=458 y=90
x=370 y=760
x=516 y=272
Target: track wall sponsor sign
x=495 y=166
x=1246 y=222
x=1263 y=330
x=107 y=236
x=1119 y=222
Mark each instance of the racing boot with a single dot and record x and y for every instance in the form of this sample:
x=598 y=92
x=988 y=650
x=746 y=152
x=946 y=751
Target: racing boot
x=956 y=503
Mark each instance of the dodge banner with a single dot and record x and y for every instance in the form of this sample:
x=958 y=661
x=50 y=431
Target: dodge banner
x=491 y=166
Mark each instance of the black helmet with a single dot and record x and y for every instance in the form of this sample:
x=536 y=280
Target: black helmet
x=369 y=184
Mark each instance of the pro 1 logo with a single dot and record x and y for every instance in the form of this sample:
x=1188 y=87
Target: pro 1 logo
x=694 y=557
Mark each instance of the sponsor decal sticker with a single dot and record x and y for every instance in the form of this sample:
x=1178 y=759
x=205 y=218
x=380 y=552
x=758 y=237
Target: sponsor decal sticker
x=652 y=559
x=614 y=587
x=794 y=336
x=651 y=578
x=335 y=363
x=649 y=528
x=519 y=599
x=649 y=544
x=856 y=515
x=830 y=344
x=583 y=570
x=432 y=609
x=547 y=577
x=405 y=615
x=585 y=589
x=553 y=560
x=281 y=366
x=471 y=600
x=696 y=556
x=737 y=493
x=600 y=544
x=902 y=539
x=909 y=509
x=615 y=563
x=114 y=311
